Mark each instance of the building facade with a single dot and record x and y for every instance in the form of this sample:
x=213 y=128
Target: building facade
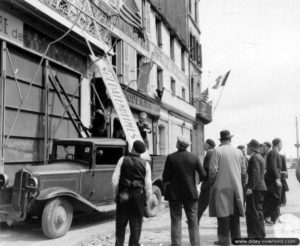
x=48 y=40
x=185 y=16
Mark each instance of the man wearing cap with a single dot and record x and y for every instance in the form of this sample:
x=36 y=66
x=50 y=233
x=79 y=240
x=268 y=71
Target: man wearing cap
x=256 y=188
x=132 y=186
x=226 y=193
x=203 y=200
x=181 y=191
x=272 y=178
x=144 y=128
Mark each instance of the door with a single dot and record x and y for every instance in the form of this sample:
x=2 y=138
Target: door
x=106 y=161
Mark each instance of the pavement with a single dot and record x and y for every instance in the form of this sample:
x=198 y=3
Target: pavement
x=156 y=231
x=99 y=229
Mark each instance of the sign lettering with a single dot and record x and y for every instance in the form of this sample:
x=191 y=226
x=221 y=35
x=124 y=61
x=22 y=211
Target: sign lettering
x=11 y=27
x=119 y=101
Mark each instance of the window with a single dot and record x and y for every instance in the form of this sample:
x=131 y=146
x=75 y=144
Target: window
x=192 y=88
x=196 y=11
x=172 y=51
x=158 y=33
x=173 y=86
x=191 y=45
x=196 y=51
x=182 y=59
x=190 y=6
x=159 y=78
x=199 y=55
x=183 y=93
x=108 y=155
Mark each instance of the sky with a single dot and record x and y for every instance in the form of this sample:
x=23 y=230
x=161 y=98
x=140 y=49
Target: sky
x=259 y=41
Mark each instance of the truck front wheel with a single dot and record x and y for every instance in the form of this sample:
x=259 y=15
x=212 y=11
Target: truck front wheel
x=57 y=217
x=154 y=203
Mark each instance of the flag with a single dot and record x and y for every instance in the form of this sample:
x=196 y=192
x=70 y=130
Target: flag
x=143 y=77
x=129 y=12
x=204 y=95
x=221 y=80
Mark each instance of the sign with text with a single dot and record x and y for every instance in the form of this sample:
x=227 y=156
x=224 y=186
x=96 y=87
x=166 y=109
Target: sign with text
x=119 y=101
x=11 y=28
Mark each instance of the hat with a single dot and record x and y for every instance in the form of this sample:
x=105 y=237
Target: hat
x=210 y=142
x=139 y=147
x=254 y=145
x=225 y=134
x=183 y=142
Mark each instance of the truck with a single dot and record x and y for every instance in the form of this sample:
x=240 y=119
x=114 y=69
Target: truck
x=76 y=180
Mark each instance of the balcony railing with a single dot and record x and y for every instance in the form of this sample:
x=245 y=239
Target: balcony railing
x=204 y=110
x=92 y=18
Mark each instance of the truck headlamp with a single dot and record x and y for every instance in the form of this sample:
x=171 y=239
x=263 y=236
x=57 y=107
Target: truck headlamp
x=3 y=180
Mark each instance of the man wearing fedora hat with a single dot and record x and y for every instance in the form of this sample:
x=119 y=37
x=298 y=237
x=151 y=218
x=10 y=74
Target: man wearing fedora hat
x=181 y=191
x=226 y=193
x=132 y=186
x=256 y=188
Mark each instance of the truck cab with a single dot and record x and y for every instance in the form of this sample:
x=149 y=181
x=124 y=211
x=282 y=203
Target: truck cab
x=76 y=180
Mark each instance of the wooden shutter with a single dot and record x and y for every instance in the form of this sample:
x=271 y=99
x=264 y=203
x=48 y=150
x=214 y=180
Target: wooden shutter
x=132 y=67
x=125 y=63
x=119 y=59
x=147 y=6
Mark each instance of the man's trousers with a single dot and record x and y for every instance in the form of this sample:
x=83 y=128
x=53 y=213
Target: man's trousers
x=191 y=211
x=254 y=215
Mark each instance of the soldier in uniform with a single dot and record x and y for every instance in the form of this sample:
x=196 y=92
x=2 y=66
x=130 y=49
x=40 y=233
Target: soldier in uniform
x=132 y=186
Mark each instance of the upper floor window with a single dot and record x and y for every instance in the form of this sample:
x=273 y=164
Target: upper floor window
x=172 y=48
x=173 y=86
x=158 y=33
x=196 y=11
x=159 y=78
x=190 y=6
x=183 y=93
x=182 y=59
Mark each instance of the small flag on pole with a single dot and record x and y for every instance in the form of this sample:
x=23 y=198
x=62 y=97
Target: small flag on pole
x=204 y=95
x=221 y=80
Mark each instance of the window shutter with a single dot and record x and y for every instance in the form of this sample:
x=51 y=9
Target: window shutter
x=119 y=60
x=125 y=63
x=147 y=17
x=132 y=67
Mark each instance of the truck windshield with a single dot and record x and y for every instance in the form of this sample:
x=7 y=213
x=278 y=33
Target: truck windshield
x=74 y=152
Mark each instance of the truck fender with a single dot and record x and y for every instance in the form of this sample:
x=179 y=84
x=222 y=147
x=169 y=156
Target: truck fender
x=159 y=183
x=53 y=192
x=79 y=203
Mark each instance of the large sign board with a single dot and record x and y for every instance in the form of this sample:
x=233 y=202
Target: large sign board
x=119 y=101
x=11 y=28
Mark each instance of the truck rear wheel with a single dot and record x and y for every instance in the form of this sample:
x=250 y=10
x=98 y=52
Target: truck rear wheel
x=154 y=203
x=57 y=218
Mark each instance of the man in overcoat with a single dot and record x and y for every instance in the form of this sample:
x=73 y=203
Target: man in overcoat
x=226 y=193
x=181 y=191
x=272 y=199
x=256 y=189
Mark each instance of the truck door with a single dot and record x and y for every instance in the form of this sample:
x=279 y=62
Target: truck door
x=106 y=161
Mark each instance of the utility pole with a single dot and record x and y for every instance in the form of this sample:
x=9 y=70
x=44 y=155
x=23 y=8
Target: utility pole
x=297 y=145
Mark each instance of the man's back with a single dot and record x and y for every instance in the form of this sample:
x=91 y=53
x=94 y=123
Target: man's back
x=180 y=171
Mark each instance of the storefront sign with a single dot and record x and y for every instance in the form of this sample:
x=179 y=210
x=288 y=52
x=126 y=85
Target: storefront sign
x=142 y=104
x=119 y=101
x=11 y=28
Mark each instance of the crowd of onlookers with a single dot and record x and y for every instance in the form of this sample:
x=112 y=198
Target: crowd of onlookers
x=245 y=181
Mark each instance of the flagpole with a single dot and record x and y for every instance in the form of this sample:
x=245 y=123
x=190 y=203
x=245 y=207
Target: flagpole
x=218 y=99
